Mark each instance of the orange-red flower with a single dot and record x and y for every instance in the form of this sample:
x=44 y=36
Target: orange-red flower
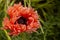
x=22 y=19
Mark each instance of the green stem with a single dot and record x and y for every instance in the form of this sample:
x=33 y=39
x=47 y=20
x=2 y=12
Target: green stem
x=42 y=29
x=44 y=37
x=7 y=35
x=25 y=3
x=1 y=1
x=44 y=13
x=12 y=3
x=41 y=26
x=44 y=33
x=29 y=5
x=5 y=8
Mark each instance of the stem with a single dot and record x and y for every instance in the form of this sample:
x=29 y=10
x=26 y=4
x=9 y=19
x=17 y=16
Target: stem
x=12 y=3
x=41 y=26
x=42 y=29
x=45 y=35
x=29 y=5
x=25 y=3
x=1 y=1
x=44 y=14
x=5 y=7
x=7 y=35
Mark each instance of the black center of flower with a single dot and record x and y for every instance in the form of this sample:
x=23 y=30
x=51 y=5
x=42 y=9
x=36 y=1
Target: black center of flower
x=21 y=20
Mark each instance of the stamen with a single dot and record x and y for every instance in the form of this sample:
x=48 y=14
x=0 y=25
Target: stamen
x=21 y=20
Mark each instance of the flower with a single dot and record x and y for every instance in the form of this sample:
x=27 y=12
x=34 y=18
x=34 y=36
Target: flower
x=22 y=19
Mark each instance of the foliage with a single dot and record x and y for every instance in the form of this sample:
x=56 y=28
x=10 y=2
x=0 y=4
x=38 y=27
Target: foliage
x=49 y=12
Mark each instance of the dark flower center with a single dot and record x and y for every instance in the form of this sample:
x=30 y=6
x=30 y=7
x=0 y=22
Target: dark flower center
x=21 y=20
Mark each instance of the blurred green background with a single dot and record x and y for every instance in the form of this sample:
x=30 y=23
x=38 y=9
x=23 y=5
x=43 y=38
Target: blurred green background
x=49 y=12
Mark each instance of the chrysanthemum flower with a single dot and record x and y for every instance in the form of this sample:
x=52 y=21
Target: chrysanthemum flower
x=22 y=19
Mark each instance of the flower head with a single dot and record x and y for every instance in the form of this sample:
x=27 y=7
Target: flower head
x=22 y=19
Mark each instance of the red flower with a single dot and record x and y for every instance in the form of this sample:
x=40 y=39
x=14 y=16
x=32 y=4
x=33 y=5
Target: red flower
x=22 y=19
